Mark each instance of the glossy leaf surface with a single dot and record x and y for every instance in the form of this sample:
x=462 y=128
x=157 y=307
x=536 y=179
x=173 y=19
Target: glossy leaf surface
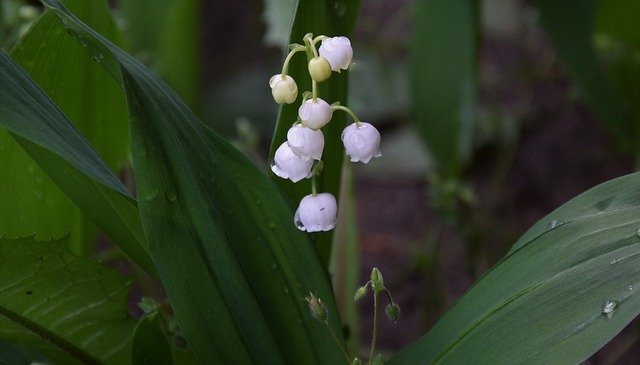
x=71 y=309
x=69 y=160
x=567 y=287
x=234 y=266
x=90 y=98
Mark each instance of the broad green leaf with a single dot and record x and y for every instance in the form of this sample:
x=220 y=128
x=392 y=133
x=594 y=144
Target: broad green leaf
x=443 y=66
x=331 y=18
x=69 y=160
x=234 y=266
x=90 y=98
x=570 y=26
x=70 y=308
x=150 y=343
x=165 y=35
x=543 y=303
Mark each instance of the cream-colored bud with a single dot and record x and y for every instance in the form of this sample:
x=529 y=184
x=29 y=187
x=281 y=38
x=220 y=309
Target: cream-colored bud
x=319 y=69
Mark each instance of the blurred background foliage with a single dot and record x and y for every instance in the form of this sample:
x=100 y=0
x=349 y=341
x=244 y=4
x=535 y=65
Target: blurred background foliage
x=492 y=113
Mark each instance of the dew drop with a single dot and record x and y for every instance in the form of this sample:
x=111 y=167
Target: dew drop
x=258 y=202
x=273 y=266
x=97 y=57
x=609 y=306
x=554 y=224
x=272 y=225
x=630 y=288
x=340 y=7
x=286 y=290
x=171 y=195
x=614 y=261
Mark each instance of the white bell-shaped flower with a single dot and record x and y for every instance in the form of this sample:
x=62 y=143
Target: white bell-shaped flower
x=288 y=165
x=305 y=142
x=338 y=51
x=315 y=114
x=361 y=141
x=284 y=89
x=316 y=213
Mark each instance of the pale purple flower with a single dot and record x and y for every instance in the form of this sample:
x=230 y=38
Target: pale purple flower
x=337 y=51
x=361 y=141
x=288 y=165
x=316 y=213
x=305 y=142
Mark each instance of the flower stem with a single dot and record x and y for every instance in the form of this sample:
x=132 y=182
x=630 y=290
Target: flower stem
x=285 y=65
x=348 y=111
x=314 y=173
x=335 y=339
x=314 y=90
x=374 y=337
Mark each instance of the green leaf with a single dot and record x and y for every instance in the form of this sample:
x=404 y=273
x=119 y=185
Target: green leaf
x=443 y=68
x=234 y=266
x=71 y=309
x=150 y=343
x=543 y=303
x=69 y=160
x=89 y=97
x=571 y=28
x=165 y=35
x=330 y=18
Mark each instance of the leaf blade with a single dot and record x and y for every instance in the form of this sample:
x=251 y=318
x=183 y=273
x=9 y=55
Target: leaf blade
x=221 y=234
x=543 y=302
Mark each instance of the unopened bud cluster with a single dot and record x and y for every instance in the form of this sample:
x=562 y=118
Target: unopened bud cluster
x=300 y=156
x=377 y=285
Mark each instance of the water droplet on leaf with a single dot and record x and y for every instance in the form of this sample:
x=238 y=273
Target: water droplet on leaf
x=171 y=195
x=340 y=7
x=554 y=224
x=609 y=306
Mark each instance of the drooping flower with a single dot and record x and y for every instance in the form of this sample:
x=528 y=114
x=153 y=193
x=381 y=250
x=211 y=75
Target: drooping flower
x=316 y=213
x=338 y=51
x=361 y=141
x=288 y=165
x=305 y=142
x=319 y=69
x=315 y=114
x=283 y=89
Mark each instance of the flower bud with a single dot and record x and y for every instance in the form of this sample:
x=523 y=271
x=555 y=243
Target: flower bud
x=337 y=51
x=315 y=114
x=356 y=361
x=319 y=69
x=306 y=143
x=393 y=312
x=316 y=213
x=377 y=283
x=361 y=141
x=378 y=360
x=283 y=89
x=289 y=166
x=360 y=293
x=317 y=308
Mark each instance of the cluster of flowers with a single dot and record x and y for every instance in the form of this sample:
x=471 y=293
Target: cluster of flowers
x=299 y=157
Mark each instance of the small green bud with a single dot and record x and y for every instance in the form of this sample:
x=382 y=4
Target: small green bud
x=356 y=361
x=393 y=312
x=378 y=360
x=377 y=283
x=360 y=293
x=317 y=308
x=319 y=69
